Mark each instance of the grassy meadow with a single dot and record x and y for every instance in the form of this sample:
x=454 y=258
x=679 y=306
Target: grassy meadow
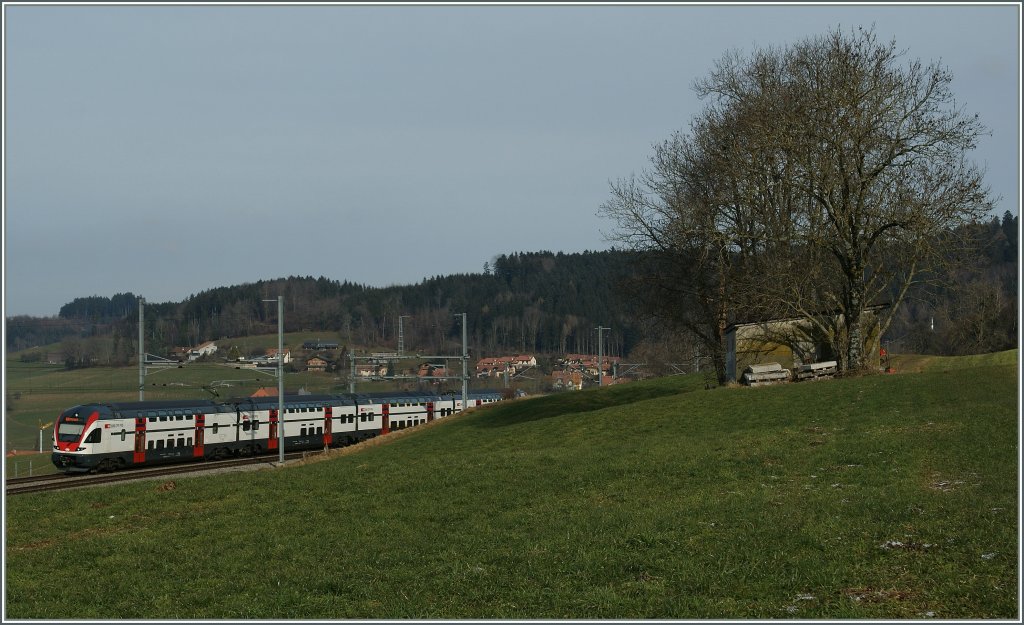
x=881 y=497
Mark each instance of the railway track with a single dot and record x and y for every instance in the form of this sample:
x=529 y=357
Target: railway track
x=61 y=481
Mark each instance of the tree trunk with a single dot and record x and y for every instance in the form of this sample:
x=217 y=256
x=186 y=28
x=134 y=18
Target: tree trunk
x=854 y=332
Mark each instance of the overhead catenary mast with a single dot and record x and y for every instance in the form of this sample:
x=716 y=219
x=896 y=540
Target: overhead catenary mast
x=142 y=354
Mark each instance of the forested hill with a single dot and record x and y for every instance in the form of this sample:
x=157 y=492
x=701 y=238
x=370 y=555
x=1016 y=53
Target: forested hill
x=525 y=302
x=541 y=302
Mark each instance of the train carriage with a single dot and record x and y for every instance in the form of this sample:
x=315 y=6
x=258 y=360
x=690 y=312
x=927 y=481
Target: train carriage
x=117 y=435
x=109 y=436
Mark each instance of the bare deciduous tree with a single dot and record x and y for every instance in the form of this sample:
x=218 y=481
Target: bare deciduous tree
x=819 y=179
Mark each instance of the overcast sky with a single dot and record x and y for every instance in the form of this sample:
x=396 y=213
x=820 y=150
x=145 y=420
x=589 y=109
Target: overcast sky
x=167 y=150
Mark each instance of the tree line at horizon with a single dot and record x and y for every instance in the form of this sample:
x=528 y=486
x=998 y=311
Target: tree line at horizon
x=539 y=302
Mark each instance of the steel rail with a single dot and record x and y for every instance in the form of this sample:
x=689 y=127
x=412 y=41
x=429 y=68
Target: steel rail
x=63 y=481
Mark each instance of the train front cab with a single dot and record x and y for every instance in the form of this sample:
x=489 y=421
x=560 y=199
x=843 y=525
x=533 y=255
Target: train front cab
x=76 y=436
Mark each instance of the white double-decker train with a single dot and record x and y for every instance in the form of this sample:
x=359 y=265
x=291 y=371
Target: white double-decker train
x=110 y=436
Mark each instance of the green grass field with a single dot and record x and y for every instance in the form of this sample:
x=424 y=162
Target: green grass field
x=29 y=464
x=882 y=497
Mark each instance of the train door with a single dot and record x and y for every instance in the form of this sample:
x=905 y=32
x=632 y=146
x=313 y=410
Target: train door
x=198 y=451
x=328 y=437
x=139 y=456
x=385 y=413
x=430 y=411
x=272 y=440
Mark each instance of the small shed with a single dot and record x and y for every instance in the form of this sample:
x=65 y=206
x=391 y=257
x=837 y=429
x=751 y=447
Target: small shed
x=792 y=342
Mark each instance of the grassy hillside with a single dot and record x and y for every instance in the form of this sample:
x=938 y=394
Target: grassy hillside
x=916 y=363
x=873 y=498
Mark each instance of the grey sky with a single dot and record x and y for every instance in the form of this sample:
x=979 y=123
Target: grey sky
x=166 y=150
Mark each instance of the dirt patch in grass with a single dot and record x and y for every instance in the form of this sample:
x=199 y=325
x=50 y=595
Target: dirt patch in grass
x=878 y=595
x=946 y=484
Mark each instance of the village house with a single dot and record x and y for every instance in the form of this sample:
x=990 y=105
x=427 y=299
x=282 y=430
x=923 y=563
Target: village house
x=588 y=363
x=524 y=361
x=318 y=344
x=369 y=371
x=193 y=353
x=498 y=366
x=567 y=380
x=272 y=355
x=316 y=363
x=205 y=349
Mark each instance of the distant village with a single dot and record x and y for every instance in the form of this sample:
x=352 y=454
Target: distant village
x=568 y=371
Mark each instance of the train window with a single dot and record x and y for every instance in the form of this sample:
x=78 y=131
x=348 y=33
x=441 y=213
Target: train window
x=160 y=444
x=302 y=432
x=188 y=441
x=319 y=430
x=152 y=419
x=149 y=444
x=94 y=436
x=123 y=434
x=215 y=425
x=188 y=417
x=245 y=426
x=179 y=418
x=255 y=424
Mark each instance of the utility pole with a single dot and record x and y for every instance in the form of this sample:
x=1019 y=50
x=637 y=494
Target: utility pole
x=352 y=373
x=600 y=354
x=401 y=335
x=465 y=357
x=280 y=376
x=142 y=355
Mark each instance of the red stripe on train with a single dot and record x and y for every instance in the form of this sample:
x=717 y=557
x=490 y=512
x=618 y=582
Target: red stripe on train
x=328 y=437
x=140 y=441
x=74 y=445
x=272 y=441
x=197 y=451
